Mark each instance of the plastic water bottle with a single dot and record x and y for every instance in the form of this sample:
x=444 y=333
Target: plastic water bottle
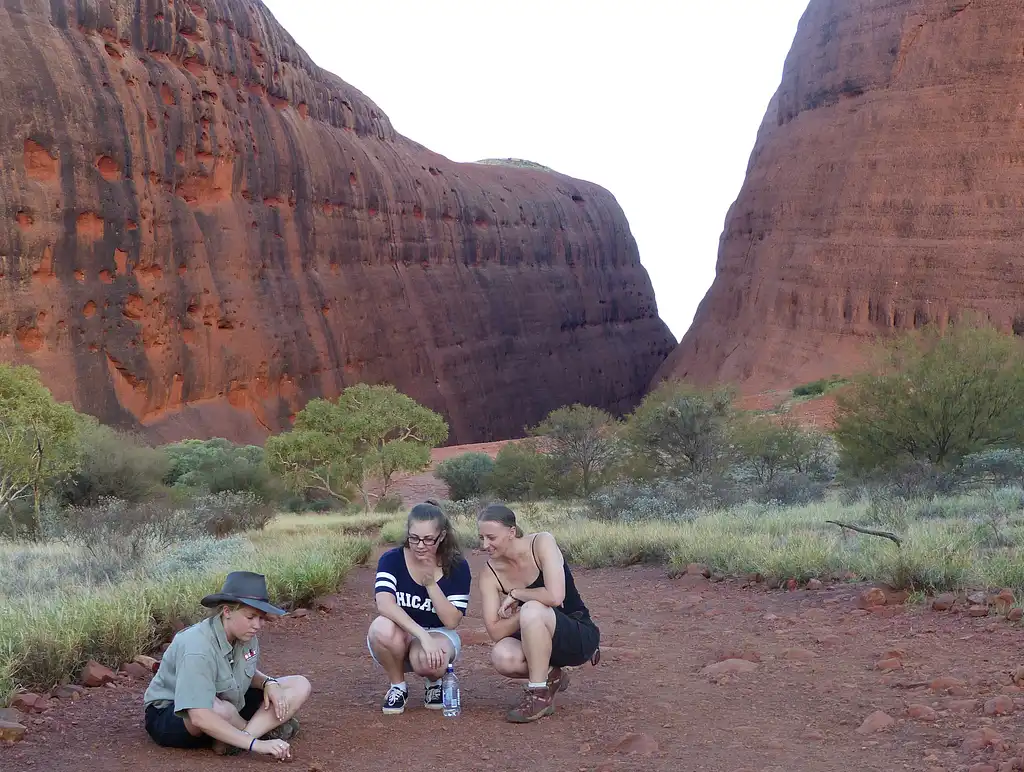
x=450 y=693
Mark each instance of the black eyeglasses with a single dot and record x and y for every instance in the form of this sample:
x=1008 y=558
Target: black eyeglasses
x=430 y=541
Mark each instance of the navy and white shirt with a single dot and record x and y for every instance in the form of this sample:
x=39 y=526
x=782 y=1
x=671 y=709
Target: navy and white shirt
x=393 y=576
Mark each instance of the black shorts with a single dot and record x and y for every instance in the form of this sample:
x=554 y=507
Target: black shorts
x=575 y=640
x=169 y=730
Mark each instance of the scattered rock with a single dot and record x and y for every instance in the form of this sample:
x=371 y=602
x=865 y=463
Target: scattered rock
x=983 y=738
x=11 y=732
x=1015 y=614
x=147 y=662
x=729 y=667
x=67 y=692
x=750 y=655
x=981 y=768
x=1018 y=675
x=798 y=655
x=978 y=599
x=94 y=674
x=963 y=706
x=12 y=716
x=812 y=735
x=886 y=665
x=28 y=702
x=1002 y=602
x=870 y=598
x=922 y=712
x=814 y=584
x=299 y=613
x=636 y=743
x=999 y=706
x=136 y=671
x=943 y=602
x=829 y=640
x=878 y=721
x=945 y=683
x=978 y=611
x=697 y=569
x=691 y=581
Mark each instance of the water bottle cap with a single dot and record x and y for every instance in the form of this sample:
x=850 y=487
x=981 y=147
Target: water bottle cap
x=451 y=667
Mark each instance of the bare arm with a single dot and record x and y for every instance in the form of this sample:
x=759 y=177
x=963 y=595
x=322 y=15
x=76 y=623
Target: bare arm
x=497 y=628
x=449 y=615
x=551 y=562
x=388 y=607
x=209 y=723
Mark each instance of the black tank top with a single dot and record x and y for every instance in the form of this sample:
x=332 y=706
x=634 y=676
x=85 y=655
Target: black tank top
x=572 y=604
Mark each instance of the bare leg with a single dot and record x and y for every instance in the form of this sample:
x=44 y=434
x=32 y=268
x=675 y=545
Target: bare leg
x=419 y=660
x=537 y=623
x=296 y=690
x=390 y=645
x=508 y=658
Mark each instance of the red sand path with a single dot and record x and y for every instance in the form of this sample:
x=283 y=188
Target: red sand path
x=647 y=706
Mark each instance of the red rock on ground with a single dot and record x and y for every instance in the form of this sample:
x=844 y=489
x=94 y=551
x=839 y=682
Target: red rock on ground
x=203 y=230
x=94 y=674
x=879 y=175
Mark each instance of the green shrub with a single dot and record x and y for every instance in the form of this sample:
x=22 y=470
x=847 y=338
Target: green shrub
x=218 y=466
x=521 y=473
x=113 y=465
x=466 y=475
x=817 y=388
x=939 y=398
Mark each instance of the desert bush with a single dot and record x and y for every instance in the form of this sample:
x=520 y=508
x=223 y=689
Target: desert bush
x=521 y=472
x=817 y=388
x=113 y=465
x=998 y=466
x=466 y=475
x=218 y=466
x=583 y=441
x=771 y=446
x=938 y=398
x=681 y=430
x=630 y=502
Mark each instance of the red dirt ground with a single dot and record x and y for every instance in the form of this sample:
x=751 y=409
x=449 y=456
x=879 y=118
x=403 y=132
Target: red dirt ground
x=417 y=487
x=647 y=706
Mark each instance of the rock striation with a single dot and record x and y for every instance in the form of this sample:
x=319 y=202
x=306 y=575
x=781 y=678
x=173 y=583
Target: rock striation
x=200 y=230
x=883 y=193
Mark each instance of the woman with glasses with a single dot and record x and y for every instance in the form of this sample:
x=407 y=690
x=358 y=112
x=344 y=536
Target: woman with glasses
x=422 y=592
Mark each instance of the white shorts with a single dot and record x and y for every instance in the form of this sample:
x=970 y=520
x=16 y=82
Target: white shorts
x=451 y=635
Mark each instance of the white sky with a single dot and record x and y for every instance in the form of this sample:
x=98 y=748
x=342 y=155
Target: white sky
x=658 y=101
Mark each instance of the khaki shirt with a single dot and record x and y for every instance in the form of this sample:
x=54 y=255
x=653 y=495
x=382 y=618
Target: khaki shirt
x=199 y=665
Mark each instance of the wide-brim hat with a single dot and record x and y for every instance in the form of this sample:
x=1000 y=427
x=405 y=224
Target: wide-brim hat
x=244 y=587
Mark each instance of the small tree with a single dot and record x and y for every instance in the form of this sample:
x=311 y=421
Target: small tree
x=581 y=439
x=940 y=398
x=772 y=446
x=680 y=429
x=364 y=437
x=466 y=475
x=38 y=437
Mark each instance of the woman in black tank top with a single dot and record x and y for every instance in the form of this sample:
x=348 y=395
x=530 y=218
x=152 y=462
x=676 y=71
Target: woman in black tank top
x=533 y=612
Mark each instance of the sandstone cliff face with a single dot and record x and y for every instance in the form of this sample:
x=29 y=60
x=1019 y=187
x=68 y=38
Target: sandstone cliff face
x=883 y=193
x=200 y=230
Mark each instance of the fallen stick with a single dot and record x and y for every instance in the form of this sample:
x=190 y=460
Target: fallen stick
x=884 y=534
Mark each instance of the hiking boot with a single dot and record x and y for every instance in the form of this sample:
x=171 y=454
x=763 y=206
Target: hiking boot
x=432 y=699
x=285 y=732
x=394 y=701
x=536 y=704
x=558 y=680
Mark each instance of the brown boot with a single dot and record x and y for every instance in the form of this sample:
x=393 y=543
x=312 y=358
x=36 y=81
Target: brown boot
x=558 y=681
x=536 y=704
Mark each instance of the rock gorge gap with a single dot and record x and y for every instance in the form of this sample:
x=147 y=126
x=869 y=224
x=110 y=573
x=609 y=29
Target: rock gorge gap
x=202 y=230
x=883 y=193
